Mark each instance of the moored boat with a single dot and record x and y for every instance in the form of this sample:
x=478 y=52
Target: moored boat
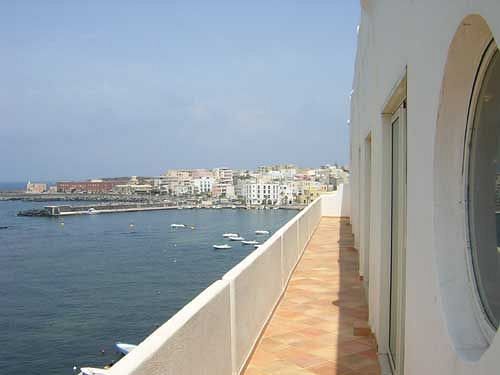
x=227 y=235
x=222 y=247
x=124 y=348
x=177 y=226
x=236 y=238
x=249 y=242
x=261 y=232
x=93 y=371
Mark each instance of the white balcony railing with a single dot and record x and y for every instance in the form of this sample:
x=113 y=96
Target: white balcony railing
x=216 y=332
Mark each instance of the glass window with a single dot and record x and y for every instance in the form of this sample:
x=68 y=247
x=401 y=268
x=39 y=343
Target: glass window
x=484 y=192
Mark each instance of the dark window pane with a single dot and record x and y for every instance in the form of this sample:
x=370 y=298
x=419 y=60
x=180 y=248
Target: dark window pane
x=484 y=192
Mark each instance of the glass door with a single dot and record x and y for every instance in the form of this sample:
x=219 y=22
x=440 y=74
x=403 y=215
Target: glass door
x=398 y=241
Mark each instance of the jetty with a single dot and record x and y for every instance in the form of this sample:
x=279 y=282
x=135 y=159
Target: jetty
x=67 y=210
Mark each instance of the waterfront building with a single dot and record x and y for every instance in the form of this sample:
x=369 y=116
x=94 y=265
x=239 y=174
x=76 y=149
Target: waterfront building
x=222 y=190
x=133 y=188
x=308 y=191
x=203 y=185
x=93 y=186
x=224 y=176
x=224 y=186
x=261 y=193
x=179 y=181
x=287 y=193
x=33 y=187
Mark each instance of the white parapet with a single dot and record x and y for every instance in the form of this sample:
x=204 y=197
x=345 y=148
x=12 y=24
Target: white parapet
x=196 y=340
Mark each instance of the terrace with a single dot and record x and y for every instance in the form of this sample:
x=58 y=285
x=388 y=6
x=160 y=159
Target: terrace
x=320 y=326
x=296 y=305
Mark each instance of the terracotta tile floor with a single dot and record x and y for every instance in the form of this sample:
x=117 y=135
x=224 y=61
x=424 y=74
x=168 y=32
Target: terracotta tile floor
x=311 y=331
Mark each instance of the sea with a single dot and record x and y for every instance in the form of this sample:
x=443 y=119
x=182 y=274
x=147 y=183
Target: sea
x=70 y=288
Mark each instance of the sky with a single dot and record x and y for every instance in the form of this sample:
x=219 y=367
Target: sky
x=94 y=89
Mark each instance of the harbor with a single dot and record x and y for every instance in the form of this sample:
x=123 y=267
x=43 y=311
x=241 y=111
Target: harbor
x=117 y=276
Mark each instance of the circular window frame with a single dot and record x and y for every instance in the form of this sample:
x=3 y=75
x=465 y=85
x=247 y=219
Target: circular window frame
x=486 y=325
x=463 y=317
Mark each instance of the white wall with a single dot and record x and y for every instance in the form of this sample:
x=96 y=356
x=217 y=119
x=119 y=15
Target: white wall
x=216 y=332
x=338 y=203
x=398 y=36
x=256 y=285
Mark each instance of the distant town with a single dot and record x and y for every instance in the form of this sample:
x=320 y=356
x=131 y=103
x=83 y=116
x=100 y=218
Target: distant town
x=277 y=185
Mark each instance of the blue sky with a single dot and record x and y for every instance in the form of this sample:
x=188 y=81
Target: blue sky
x=111 y=88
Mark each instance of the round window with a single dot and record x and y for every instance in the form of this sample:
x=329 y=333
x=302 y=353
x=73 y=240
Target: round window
x=483 y=188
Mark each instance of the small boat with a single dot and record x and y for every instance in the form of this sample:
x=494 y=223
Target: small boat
x=92 y=211
x=261 y=232
x=93 y=371
x=222 y=247
x=177 y=226
x=249 y=242
x=236 y=238
x=124 y=348
x=256 y=246
x=4 y=227
x=233 y=206
x=228 y=235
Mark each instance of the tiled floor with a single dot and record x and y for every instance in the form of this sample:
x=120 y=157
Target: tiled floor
x=311 y=331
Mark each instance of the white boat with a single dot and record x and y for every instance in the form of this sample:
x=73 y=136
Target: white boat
x=261 y=232
x=124 y=348
x=92 y=211
x=227 y=235
x=222 y=247
x=236 y=238
x=93 y=371
x=177 y=226
x=249 y=242
x=256 y=246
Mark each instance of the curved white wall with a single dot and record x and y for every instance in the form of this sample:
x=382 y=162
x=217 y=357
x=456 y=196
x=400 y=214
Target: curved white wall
x=398 y=36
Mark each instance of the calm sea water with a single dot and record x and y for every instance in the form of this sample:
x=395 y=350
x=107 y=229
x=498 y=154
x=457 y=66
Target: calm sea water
x=68 y=292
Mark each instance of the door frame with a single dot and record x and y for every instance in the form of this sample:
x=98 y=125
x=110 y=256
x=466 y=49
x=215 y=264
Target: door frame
x=381 y=285
x=398 y=364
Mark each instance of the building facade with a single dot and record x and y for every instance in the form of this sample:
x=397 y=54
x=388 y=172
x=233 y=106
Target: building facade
x=424 y=132
x=33 y=187
x=92 y=186
x=203 y=185
x=262 y=194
